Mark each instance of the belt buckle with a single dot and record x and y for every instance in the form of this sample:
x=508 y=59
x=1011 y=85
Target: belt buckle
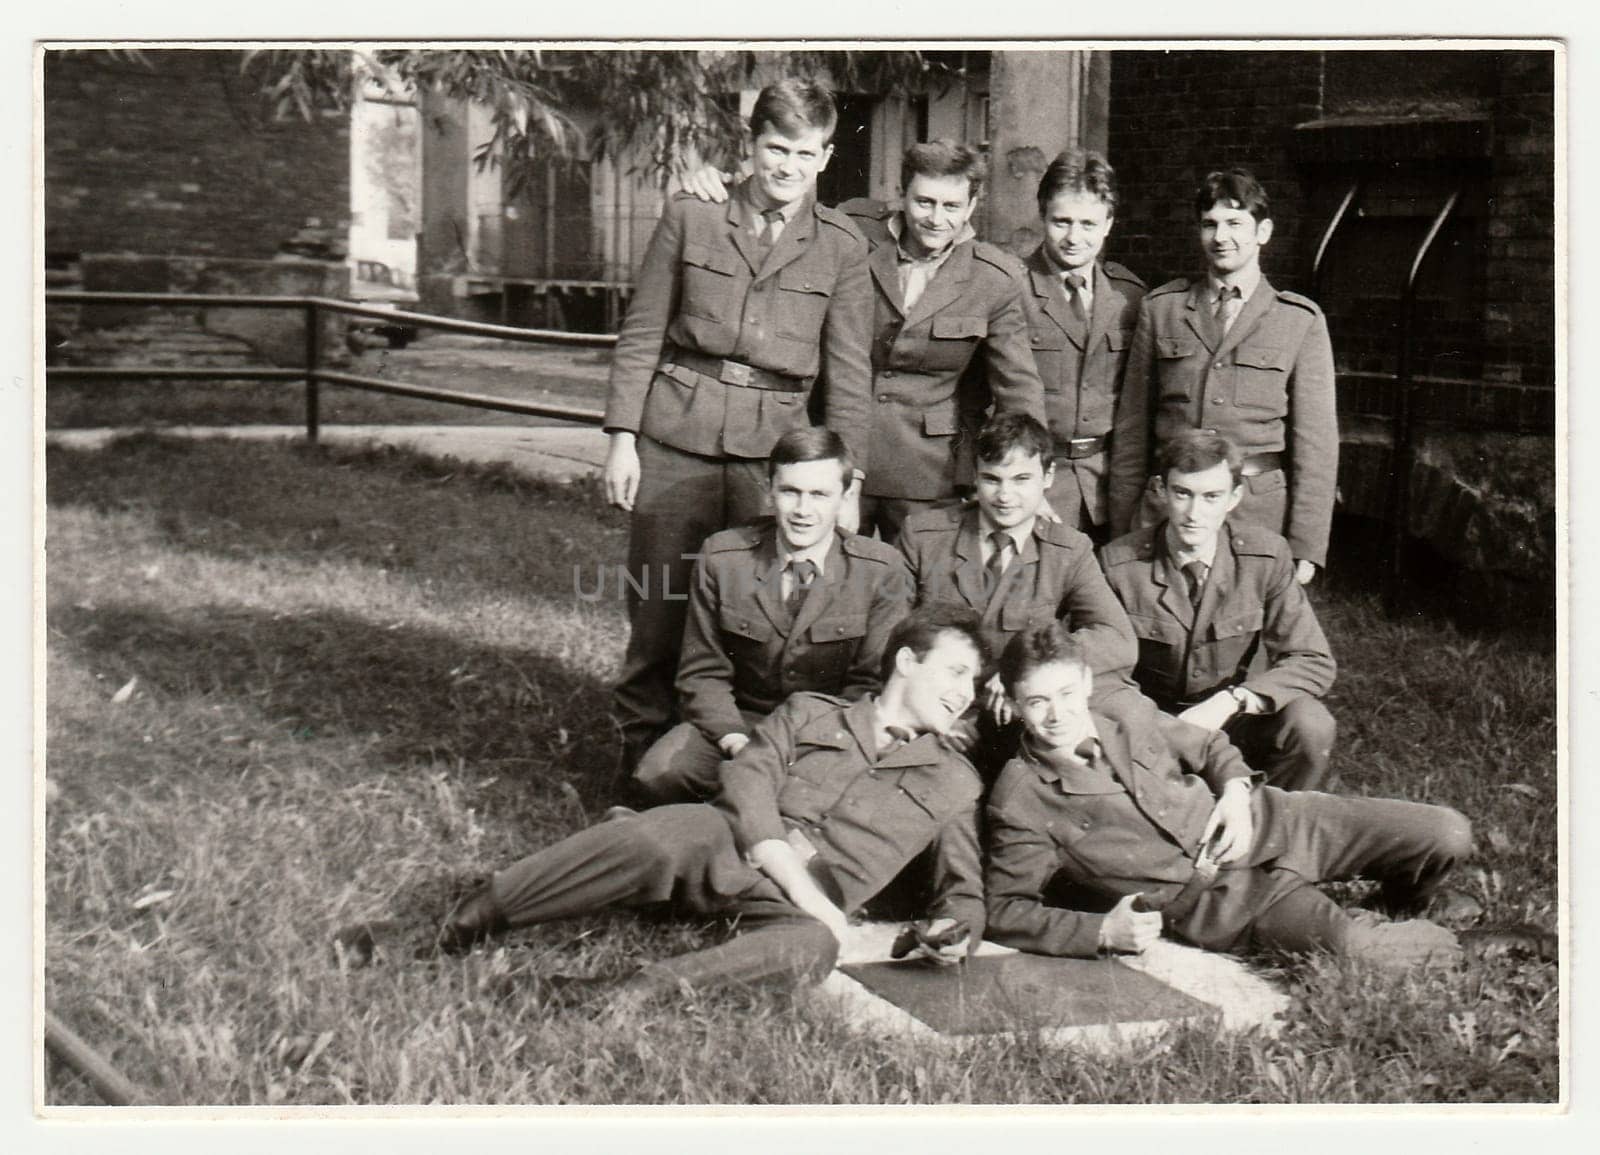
x=734 y=373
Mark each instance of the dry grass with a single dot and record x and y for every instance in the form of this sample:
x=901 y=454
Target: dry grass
x=363 y=680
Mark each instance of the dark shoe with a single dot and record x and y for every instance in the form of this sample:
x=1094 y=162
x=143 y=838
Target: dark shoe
x=1454 y=908
x=1525 y=939
x=474 y=919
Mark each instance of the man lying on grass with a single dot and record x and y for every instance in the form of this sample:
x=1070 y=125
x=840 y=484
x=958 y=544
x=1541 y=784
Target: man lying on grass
x=1160 y=817
x=824 y=806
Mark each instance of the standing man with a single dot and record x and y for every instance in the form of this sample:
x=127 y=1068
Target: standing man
x=737 y=310
x=1227 y=638
x=1081 y=316
x=1144 y=806
x=827 y=803
x=1228 y=352
x=786 y=604
x=941 y=297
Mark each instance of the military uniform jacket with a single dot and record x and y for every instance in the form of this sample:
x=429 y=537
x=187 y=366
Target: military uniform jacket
x=1255 y=627
x=1141 y=839
x=1057 y=580
x=1268 y=386
x=742 y=651
x=802 y=312
x=1081 y=366
x=926 y=404
x=811 y=776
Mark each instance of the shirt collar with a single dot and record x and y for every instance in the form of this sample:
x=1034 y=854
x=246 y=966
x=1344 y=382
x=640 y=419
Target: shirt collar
x=1021 y=535
x=1180 y=557
x=815 y=554
x=897 y=226
x=1079 y=771
x=1246 y=280
x=787 y=211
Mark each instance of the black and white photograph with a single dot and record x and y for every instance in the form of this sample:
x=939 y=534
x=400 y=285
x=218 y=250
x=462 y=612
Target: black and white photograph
x=748 y=574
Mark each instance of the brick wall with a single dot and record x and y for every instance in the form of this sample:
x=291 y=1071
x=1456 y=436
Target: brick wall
x=182 y=156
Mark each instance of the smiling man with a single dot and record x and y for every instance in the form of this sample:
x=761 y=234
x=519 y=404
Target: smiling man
x=1082 y=310
x=942 y=298
x=737 y=311
x=784 y=604
x=825 y=805
x=1152 y=824
x=1228 y=352
x=1227 y=638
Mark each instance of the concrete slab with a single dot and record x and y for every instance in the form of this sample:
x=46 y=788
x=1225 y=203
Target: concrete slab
x=559 y=453
x=1111 y=1003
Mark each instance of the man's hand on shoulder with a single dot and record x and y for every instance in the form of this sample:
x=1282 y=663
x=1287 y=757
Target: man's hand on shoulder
x=1304 y=571
x=731 y=744
x=707 y=183
x=997 y=701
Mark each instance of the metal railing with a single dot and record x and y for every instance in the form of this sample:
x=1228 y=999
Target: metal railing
x=314 y=310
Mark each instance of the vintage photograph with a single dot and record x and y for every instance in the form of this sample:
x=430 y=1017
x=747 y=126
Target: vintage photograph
x=800 y=574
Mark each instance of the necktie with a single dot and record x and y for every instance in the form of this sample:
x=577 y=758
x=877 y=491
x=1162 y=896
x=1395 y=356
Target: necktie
x=802 y=574
x=1075 y=284
x=898 y=737
x=1001 y=557
x=1229 y=302
x=771 y=226
x=1196 y=572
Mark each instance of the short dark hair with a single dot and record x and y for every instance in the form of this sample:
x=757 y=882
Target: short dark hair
x=1079 y=170
x=920 y=629
x=1234 y=186
x=811 y=443
x=944 y=157
x=1196 y=450
x=1000 y=435
x=1039 y=646
x=793 y=105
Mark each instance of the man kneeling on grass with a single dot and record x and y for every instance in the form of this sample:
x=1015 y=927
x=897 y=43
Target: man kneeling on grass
x=825 y=805
x=1160 y=817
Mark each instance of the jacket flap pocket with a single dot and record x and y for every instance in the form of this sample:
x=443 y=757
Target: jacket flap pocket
x=1238 y=625
x=825 y=731
x=940 y=422
x=800 y=280
x=1176 y=346
x=1047 y=337
x=1119 y=339
x=1018 y=615
x=745 y=623
x=1148 y=628
x=1261 y=356
x=838 y=629
x=706 y=257
x=960 y=327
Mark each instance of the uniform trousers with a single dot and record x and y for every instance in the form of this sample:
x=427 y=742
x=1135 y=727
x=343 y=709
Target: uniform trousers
x=1066 y=497
x=683 y=765
x=1407 y=847
x=682 y=858
x=683 y=498
x=1290 y=747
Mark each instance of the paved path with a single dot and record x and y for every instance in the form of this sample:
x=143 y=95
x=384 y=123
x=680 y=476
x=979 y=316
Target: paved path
x=557 y=452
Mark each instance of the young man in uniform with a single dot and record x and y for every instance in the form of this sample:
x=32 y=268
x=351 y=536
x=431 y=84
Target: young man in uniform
x=940 y=296
x=1001 y=559
x=1228 y=352
x=1158 y=820
x=950 y=336
x=1227 y=638
x=826 y=804
x=737 y=310
x=784 y=604
x=1081 y=316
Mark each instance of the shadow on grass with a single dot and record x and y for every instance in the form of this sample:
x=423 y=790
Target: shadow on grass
x=411 y=693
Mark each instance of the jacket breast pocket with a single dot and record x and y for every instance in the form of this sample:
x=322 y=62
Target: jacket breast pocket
x=941 y=421
x=1177 y=380
x=1234 y=638
x=952 y=341
x=745 y=626
x=1261 y=376
x=711 y=282
x=803 y=296
x=834 y=641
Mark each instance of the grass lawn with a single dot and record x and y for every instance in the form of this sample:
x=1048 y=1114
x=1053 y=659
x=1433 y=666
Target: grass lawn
x=290 y=688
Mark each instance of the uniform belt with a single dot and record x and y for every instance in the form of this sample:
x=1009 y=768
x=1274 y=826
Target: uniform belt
x=1078 y=448
x=1180 y=904
x=735 y=372
x=1258 y=463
